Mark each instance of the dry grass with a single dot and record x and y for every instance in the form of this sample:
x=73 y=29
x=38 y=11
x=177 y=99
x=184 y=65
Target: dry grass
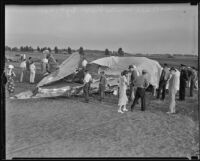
x=67 y=127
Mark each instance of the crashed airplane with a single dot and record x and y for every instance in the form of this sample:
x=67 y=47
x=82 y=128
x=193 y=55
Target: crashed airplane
x=61 y=82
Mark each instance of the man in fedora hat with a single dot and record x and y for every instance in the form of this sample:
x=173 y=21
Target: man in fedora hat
x=141 y=83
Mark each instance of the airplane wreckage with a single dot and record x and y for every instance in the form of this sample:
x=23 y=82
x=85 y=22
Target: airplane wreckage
x=64 y=81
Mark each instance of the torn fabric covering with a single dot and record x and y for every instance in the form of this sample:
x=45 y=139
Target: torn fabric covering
x=117 y=64
x=66 y=68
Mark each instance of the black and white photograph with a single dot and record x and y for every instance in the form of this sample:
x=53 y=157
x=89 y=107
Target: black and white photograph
x=101 y=80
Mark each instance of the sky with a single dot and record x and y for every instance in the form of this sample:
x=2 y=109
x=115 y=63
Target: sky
x=148 y=29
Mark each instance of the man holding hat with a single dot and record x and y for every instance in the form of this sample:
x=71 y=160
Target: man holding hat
x=141 y=83
x=183 y=82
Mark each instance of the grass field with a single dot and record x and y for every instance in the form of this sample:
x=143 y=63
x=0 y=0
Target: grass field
x=67 y=127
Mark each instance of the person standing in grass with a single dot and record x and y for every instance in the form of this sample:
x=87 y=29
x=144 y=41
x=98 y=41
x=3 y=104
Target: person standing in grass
x=173 y=88
x=183 y=82
x=10 y=79
x=23 y=69
x=133 y=76
x=141 y=83
x=192 y=80
x=102 y=85
x=87 y=81
x=44 y=63
x=165 y=75
x=52 y=64
x=32 y=72
x=28 y=64
x=84 y=63
x=123 y=99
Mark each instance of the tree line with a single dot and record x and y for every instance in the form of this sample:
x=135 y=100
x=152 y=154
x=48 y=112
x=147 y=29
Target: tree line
x=56 y=50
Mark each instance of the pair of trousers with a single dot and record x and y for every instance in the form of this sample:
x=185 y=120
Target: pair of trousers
x=22 y=74
x=102 y=91
x=172 y=104
x=182 y=90
x=162 y=86
x=44 y=68
x=140 y=93
x=191 y=87
x=132 y=89
x=86 y=89
x=32 y=77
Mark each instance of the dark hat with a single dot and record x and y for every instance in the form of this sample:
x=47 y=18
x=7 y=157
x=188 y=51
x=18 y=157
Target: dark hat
x=172 y=68
x=165 y=64
x=130 y=66
x=183 y=65
x=144 y=71
x=125 y=72
x=86 y=70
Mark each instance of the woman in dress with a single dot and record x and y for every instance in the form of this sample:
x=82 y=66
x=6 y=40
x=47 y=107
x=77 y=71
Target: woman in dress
x=10 y=78
x=123 y=99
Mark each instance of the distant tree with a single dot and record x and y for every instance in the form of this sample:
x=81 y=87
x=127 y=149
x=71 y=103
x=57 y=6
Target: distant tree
x=43 y=49
x=56 y=50
x=14 y=49
x=49 y=49
x=21 y=48
x=107 y=52
x=38 y=49
x=81 y=51
x=69 y=50
x=30 y=48
x=120 y=52
x=7 y=48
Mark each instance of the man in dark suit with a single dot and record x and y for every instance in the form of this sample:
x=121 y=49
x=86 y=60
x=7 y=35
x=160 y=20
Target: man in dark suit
x=133 y=76
x=183 y=82
x=165 y=75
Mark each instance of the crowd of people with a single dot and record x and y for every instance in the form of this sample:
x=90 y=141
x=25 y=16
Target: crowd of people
x=130 y=80
x=137 y=84
x=27 y=67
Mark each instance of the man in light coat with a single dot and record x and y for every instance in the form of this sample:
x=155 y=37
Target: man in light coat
x=173 y=88
x=23 y=69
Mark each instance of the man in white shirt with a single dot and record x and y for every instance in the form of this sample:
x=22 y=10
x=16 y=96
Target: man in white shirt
x=87 y=81
x=32 y=72
x=173 y=88
x=84 y=63
x=44 y=64
x=23 y=69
